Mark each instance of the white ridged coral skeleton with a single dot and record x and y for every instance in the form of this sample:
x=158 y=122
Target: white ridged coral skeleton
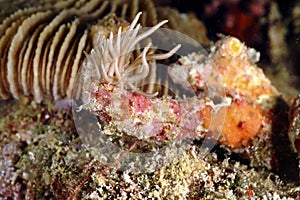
x=111 y=60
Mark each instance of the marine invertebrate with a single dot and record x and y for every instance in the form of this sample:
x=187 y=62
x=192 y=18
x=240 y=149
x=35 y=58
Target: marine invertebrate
x=42 y=42
x=245 y=103
x=242 y=123
x=248 y=93
x=111 y=60
x=249 y=96
x=110 y=69
x=170 y=119
x=34 y=62
x=240 y=75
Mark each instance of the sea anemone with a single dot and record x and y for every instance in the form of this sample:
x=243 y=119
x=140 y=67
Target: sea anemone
x=112 y=62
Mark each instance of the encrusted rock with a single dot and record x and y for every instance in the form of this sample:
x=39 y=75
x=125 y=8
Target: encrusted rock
x=294 y=129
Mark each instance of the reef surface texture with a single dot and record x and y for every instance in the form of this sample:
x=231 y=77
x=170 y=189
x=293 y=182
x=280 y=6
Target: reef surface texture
x=61 y=58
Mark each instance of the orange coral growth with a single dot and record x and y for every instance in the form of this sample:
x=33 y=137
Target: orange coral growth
x=238 y=70
x=241 y=124
x=234 y=46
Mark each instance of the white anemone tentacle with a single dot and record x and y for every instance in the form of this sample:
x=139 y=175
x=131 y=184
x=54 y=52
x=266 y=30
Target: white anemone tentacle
x=113 y=60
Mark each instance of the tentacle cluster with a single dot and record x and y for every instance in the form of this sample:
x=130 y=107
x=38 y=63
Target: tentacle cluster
x=42 y=41
x=112 y=60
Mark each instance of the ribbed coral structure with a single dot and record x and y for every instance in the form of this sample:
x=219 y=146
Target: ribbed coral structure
x=42 y=42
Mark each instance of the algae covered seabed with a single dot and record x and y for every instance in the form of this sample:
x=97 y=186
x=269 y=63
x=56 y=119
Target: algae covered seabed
x=43 y=157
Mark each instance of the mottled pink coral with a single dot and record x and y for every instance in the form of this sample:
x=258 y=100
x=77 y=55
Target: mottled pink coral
x=176 y=109
x=140 y=103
